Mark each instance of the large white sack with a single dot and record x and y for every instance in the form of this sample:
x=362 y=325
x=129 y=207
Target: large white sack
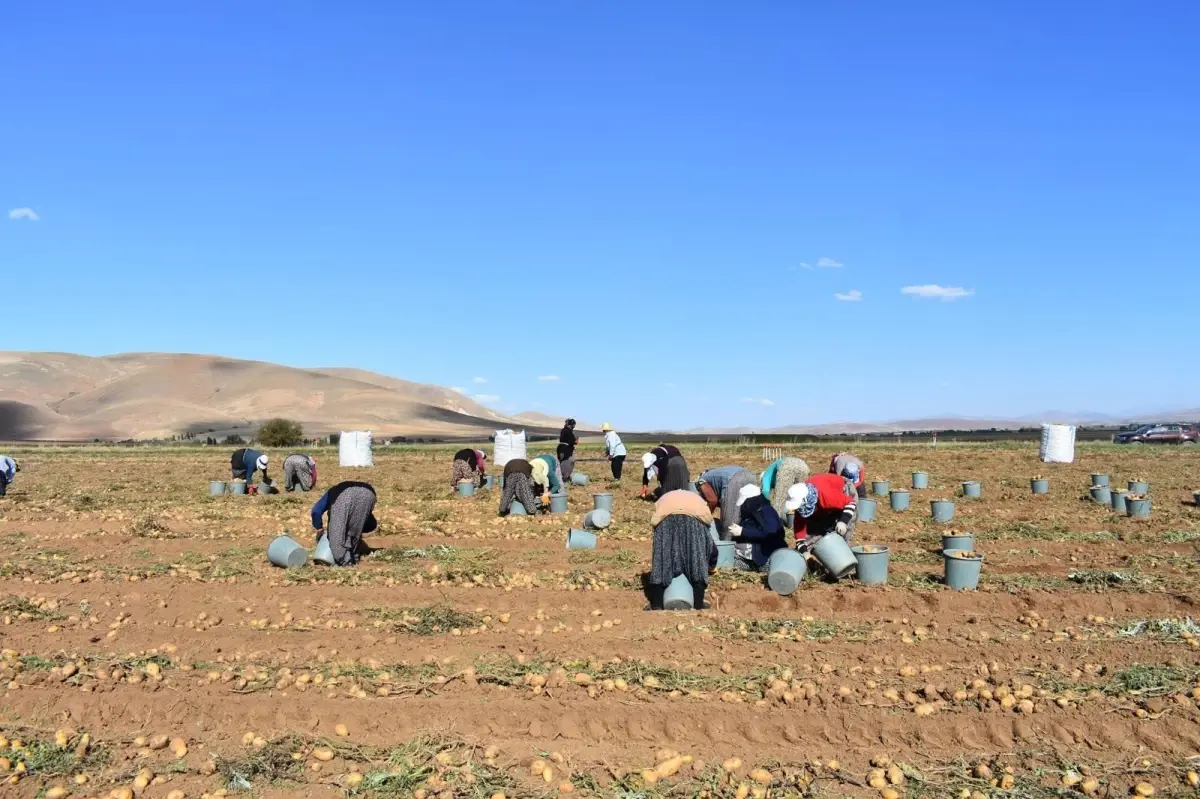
x=509 y=446
x=1058 y=443
x=354 y=448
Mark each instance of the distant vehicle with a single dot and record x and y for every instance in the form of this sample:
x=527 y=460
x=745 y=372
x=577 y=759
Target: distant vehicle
x=1160 y=434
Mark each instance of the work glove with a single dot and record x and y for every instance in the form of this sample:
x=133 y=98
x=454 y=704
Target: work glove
x=841 y=529
x=735 y=530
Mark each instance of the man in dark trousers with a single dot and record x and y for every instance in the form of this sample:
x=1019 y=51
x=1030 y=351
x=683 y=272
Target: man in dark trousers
x=566 y=449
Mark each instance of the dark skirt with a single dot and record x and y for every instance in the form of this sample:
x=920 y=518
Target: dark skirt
x=682 y=545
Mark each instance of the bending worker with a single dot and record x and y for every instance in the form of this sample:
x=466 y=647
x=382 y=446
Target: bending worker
x=518 y=487
x=666 y=463
x=245 y=462
x=778 y=478
x=8 y=472
x=350 y=507
x=719 y=487
x=469 y=465
x=824 y=504
x=299 y=472
x=566 y=448
x=681 y=545
x=849 y=466
x=758 y=533
x=547 y=477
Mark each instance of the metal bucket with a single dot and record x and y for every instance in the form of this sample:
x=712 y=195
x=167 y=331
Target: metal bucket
x=879 y=488
x=920 y=479
x=725 y=555
x=835 y=555
x=558 y=503
x=216 y=487
x=963 y=541
x=872 y=564
x=286 y=552
x=579 y=479
x=866 y=510
x=580 y=539
x=962 y=569
x=1117 y=500
x=1139 y=487
x=517 y=509
x=597 y=519
x=237 y=487
x=466 y=488
x=942 y=510
x=1137 y=508
x=899 y=500
x=602 y=502
x=1101 y=495
x=1099 y=479
x=323 y=553
x=972 y=489
x=1039 y=485
x=785 y=571
x=679 y=595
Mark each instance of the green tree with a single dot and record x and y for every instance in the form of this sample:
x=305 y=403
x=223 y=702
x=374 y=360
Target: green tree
x=234 y=439
x=281 y=433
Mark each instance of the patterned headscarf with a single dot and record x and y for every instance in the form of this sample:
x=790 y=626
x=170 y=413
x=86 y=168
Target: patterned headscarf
x=802 y=498
x=851 y=472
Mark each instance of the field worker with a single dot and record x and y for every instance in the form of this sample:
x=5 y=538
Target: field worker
x=614 y=449
x=759 y=531
x=8 y=472
x=666 y=464
x=824 y=504
x=719 y=487
x=518 y=487
x=850 y=467
x=566 y=448
x=778 y=478
x=299 y=472
x=469 y=465
x=682 y=545
x=245 y=462
x=350 y=506
x=547 y=476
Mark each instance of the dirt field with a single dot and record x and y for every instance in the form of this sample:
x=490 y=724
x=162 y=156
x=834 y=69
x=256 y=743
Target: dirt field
x=471 y=656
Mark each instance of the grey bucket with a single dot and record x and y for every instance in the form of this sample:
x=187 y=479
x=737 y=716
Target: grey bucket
x=1137 y=508
x=1099 y=479
x=962 y=569
x=866 y=510
x=679 y=595
x=1039 y=485
x=942 y=510
x=579 y=479
x=580 y=539
x=286 y=552
x=872 y=564
x=963 y=541
x=713 y=533
x=899 y=499
x=1117 y=500
x=692 y=487
x=1101 y=495
x=920 y=479
x=597 y=519
x=785 y=571
x=558 y=503
x=835 y=555
x=879 y=488
x=517 y=509
x=237 y=487
x=216 y=487
x=466 y=488
x=489 y=481
x=602 y=502
x=265 y=489
x=1139 y=487
x=323 y=553
x=725 y=554
x=972 y=489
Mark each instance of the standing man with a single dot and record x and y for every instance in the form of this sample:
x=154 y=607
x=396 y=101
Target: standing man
x=566 y=448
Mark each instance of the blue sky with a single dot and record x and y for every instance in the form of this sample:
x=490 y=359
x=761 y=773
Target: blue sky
x=658 y=204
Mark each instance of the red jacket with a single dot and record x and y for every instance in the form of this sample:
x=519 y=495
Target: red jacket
x=832 y=503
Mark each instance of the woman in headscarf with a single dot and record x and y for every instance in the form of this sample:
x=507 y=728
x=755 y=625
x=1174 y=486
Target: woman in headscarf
x=547 y=476
x=614 y=449
x=566 y=448
x=682 y=545
x=759 y=531
x=719 y=487
x=666 y=464
x=8 y=472
x=518 y=487
x=350 y=507
x=850 y=467
x=245 y=462
x=778 y=479
x=299 y=472
x=823 y=504
x=470 y=465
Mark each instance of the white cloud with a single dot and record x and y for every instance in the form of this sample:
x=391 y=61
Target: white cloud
x=479 y=380
x=758 y=401
x=853 y=295
x=458 y=389
x=486 y=398
x=828 y=263
x=26 y=214
x=936 y=292
x=548 y=378
x=804 y=265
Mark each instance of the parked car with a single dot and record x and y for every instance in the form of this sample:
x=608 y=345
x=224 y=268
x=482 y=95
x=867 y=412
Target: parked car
x=1160 y=434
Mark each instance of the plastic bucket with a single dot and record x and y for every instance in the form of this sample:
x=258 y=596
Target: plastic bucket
x=323 y=554
x=835 y=555
x=866 y=510
x=1099 y=479
x=286 y=552
x=972 y=489
x=962 y=569
x=297 y=489
x=517 y=509
x=580 y=539
x=579 y=479
x=879 y=488
x=489 y=481
x=963 y=541
x=679 y=595
x=1101 y=495
x=597 y=519
x=265 y=489
x=942 y=509
x=692 y=487
x=920 y=479
x=872 y=564
x=899 y=499
x=216 y=487
x=785 y=571
x=1139 y=487
x=558 y=503
x=602 y=502
x=1138 y=508
x=713 y=533
x=1039 y=485
x=725 y=554
x=237 y=488
x=466 y=488
x=1117 y=500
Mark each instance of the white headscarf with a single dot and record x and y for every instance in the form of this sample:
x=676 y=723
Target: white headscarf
x=648 y=460
x=262 y=462
x=797 y=496
x=748 y=491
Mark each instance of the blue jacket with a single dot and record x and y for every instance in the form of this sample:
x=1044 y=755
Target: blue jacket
x=762 y=528
x=250 y=461
x=8 y=468
x=719 y=477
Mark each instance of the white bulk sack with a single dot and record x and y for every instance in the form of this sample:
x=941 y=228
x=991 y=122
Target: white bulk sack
x=354 y=448
x=1058 y=443
x=510 y=446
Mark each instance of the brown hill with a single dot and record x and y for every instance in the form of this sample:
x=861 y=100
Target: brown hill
x=57 y=396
